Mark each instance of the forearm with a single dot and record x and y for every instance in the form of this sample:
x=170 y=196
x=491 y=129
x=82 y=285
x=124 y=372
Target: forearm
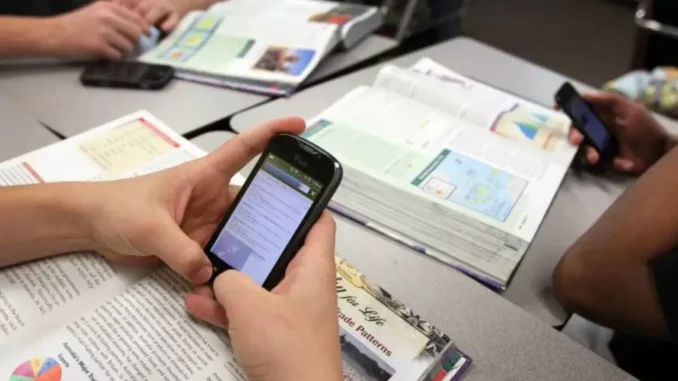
x=606 y=274
x=43 y=220
x=24 y=37
x=191 y=5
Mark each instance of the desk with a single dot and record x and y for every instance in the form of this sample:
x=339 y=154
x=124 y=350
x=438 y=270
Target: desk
x=54 y=94
x=371 y=47
x=19 y=132
x=505 y=342
x=577 y=205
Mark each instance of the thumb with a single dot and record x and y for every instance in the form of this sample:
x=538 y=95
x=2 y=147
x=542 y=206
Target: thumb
x=235 y=290
x=182 y=254
x=170 y=23
x=624 y=165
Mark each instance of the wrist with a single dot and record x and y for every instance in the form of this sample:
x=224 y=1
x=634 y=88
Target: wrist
x=50 y=41
x=68 y=208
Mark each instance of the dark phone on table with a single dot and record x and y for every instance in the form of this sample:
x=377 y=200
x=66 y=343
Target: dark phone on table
x=131 y=75
x=586 y=120
x=267 y=223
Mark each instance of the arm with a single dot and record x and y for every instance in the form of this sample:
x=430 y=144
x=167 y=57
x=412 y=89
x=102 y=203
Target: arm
x=606 y=275
x=24 y=36
x=43 y=220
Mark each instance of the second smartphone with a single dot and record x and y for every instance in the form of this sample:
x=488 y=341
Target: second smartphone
x=267 y=223
x=129 y=75
x=586 y=120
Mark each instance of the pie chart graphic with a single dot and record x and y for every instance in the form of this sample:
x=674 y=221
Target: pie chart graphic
x=37 y=369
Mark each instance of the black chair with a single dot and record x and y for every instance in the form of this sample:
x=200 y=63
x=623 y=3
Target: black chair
x=657 y=37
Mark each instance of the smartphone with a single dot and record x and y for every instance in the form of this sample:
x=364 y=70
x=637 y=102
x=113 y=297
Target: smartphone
x=283 y=197
x=586 y=120
x=131 y=75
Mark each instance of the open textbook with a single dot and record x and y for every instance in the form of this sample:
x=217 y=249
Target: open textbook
x=79 y=317
x=455 y=169
x=266 y=46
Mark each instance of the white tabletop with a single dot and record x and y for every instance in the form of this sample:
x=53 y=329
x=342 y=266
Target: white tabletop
x=20 y=132
x=54 y=94
x=505 y=342
x=577 y=205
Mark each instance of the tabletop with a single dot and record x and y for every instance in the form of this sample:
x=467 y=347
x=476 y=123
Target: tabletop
x=505 y=342
x=19 y=131
x=52 y=91
x=578 y=204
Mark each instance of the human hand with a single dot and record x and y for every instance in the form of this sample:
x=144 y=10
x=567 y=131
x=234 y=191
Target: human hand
x=642 y=140
x=171 y=214
x=102 y=29
x=290 y=333
x=169 y=12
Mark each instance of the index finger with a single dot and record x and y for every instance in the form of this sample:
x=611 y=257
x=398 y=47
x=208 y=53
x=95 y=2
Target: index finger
x=606 y=100
x=237 y=152
x=131 y=23
x=576 y=137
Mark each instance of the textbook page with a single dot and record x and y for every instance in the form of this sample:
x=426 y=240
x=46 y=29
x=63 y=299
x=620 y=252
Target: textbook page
x=144 y=333
x=47 y=293
x=355 y=21
x=491 y=193
x=250 y=51
x=483 y=106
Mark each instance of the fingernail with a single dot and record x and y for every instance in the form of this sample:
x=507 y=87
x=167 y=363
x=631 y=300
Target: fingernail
x=203 y=275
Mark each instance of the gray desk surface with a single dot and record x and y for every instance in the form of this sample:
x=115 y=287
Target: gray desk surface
x=578 y=204
x=54 y=94
x=19 y=132
x=505 y=342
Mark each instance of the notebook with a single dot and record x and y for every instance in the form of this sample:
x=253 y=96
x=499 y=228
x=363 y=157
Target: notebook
x=446 y=165
x=78 y=317
x=263 y=46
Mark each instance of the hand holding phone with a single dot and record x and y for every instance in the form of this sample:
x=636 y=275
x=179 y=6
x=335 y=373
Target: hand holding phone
x=265 y=226
x=588 y=122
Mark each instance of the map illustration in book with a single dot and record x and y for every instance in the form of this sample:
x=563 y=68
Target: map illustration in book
x=471 y=183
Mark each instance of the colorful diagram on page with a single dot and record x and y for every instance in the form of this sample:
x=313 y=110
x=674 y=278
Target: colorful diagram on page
x=193 y=38
x=530 y=126
x=37 y=369
x=471 y=184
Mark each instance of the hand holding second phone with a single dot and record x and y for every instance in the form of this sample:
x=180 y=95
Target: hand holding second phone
x=290 y=333
x=642 y=140
x=102 y=29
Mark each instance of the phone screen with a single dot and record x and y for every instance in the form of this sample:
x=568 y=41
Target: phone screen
x=267 y=216
x=586 y=120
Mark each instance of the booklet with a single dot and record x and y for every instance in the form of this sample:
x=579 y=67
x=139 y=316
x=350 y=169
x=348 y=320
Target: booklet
x=448 y=166
x=79 y=317
x=264 y=46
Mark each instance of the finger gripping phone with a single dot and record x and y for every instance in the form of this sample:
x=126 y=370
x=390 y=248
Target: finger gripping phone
x=130 y=75
x=283 y=197
x=586 y=120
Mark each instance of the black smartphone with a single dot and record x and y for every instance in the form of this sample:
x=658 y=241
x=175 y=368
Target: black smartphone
x=131 y=75
x=282 y=198
x=586 y=120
